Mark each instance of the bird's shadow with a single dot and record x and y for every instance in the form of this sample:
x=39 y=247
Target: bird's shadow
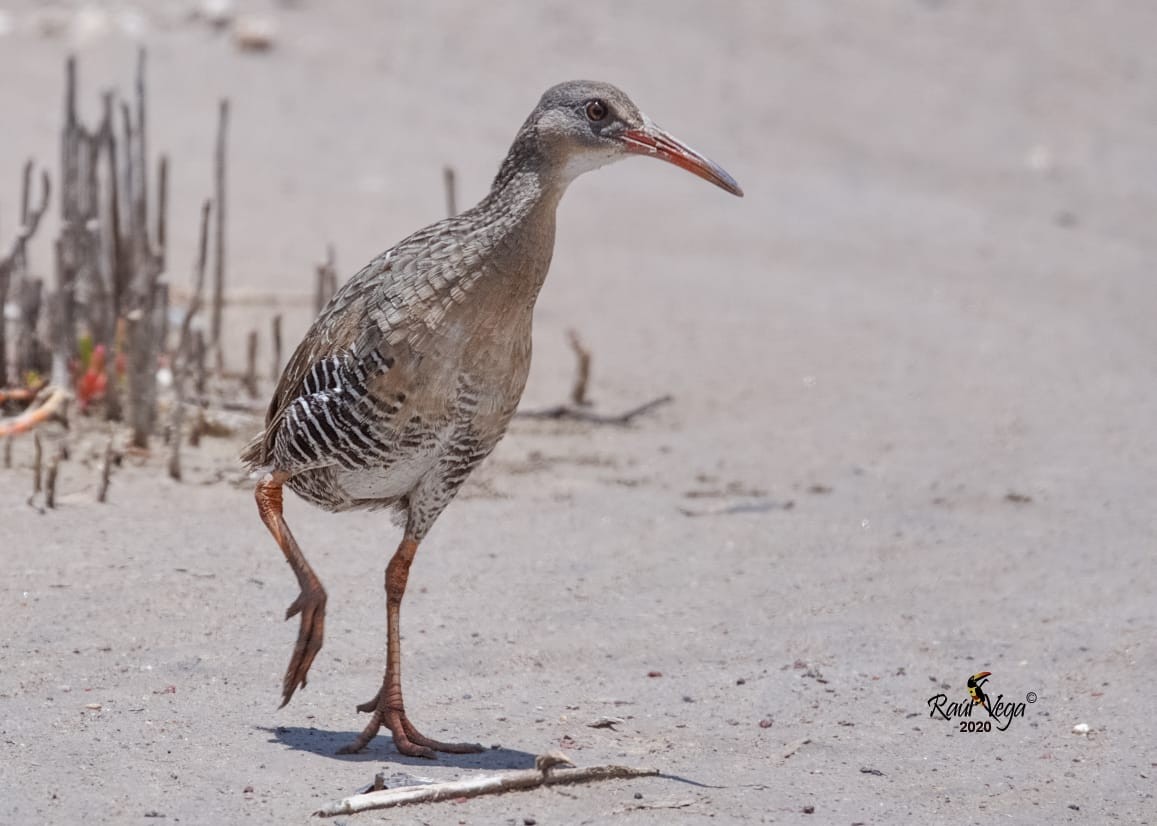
x=381 y=749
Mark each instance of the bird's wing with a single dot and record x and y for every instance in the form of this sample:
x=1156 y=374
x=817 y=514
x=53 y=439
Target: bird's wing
x=382 y=316
x=339 y=334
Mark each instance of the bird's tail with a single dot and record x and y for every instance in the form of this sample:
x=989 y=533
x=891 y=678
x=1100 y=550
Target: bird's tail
x=253 y=454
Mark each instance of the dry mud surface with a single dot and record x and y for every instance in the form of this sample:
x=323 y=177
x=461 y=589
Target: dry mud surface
x=929 y=327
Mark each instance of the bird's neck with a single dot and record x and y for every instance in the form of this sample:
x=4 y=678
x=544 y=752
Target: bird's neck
x=519 y=219
x=527 y=181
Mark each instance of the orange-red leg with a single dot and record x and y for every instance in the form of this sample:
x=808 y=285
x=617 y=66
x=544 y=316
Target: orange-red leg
x=387 y=707
x=310 y=603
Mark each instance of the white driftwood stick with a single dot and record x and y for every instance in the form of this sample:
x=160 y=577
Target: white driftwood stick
x=487 y=784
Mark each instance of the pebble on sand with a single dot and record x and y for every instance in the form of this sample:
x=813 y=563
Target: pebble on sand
x=1081 y=728
x=254 y=34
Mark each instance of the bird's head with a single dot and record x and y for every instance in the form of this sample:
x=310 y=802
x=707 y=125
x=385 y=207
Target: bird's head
x=582 y=125
x=978 y=679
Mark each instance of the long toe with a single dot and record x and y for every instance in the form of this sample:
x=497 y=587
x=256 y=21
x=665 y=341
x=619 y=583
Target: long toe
x=363 y=739
x=418 y=739
x=400 y=728
x=310 y=636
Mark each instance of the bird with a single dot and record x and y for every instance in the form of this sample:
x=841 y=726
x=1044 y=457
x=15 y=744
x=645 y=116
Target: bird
x=976 y=688
x=409 y=376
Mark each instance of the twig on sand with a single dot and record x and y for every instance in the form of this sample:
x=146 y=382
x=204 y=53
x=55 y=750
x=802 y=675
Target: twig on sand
x=760 y=506
x=545 y=773
x=577 y=410
x=577 y=414
x=578 y=393
x=795 y=745
x=659 y=804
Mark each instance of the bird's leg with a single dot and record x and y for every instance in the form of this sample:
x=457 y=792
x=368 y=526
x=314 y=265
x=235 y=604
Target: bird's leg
x=387 y=707
x=310 y=603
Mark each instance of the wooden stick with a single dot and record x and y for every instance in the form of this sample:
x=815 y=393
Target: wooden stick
x=184 y=339
x=160 y=317
x=142 y=177
x=30 y=350
x=15 y=260
x=176 y=421
x=275 y=370
x=98 y=261
x=578 y=393
x=487 y=784
x=59 y=319
x=200 y=371
x=62 y=306
x=565 y=411
x=143 y=267
x=451 y=199
x=118 y=269
x=162 y=239
x=50 y=480
x=198 y=428
x=25 y=191
x=326 y=280
x=219 y=159
x=251 y=365
x=105 y=472
x=37 y=465
x=181 y=357
x=141 y=370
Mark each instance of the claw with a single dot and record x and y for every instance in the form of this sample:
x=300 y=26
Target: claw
x=294 y=609
x=370 y=706
x=310 y=636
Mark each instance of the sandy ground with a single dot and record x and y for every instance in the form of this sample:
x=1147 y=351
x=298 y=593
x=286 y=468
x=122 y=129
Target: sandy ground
x=928 y=327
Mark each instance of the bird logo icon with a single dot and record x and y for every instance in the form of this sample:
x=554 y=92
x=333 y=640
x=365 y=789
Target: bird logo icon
x=975 y=690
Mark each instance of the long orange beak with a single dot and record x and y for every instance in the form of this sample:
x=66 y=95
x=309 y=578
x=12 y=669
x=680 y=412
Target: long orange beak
x=651 y=140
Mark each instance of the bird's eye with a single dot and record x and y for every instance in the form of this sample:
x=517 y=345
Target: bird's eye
x=596 y=110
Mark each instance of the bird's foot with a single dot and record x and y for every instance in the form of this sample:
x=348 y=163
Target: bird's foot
x=407 y=739
x=310 y=603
